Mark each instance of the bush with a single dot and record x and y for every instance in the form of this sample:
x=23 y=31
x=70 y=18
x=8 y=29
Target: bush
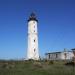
x=70 y=63
x=37 y=64
x=51 y=62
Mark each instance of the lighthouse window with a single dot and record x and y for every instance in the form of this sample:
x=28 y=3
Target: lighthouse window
x=33 y=21
x=34 y=40
x=34 y=26
x=34 y=50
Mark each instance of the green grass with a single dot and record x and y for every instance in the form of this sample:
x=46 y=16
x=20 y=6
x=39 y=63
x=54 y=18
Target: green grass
x=35 y=68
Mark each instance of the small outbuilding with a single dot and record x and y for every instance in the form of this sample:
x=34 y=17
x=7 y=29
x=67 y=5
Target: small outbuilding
x=65 y=55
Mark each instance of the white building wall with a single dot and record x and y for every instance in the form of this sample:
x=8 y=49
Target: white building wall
x=69 y=55
x=60 y=55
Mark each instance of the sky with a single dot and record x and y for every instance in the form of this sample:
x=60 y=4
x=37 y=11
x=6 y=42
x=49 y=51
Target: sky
x=56 y=26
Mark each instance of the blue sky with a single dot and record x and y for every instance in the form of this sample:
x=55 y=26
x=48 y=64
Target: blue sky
x=56 y=26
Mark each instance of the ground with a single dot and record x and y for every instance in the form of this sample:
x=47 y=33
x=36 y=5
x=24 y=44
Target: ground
x=35 y=68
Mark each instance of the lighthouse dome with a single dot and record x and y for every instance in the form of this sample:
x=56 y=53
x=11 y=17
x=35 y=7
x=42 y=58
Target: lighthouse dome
x=32 y=17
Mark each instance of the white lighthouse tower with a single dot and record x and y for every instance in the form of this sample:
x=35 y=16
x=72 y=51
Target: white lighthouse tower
x=32 y=52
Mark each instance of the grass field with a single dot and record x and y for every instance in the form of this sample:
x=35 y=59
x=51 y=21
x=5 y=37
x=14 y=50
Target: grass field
x=35 y=68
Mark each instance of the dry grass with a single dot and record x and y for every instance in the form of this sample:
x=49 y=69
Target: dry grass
x=35 y=68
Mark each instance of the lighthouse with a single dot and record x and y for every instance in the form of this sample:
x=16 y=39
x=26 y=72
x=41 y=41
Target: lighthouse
x=33 y=50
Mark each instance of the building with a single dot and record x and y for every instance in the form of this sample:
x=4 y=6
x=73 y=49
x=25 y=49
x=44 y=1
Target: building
x=33 y=50
x=73 y=54
x=65 y=55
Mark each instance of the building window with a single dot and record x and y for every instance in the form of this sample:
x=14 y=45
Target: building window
x=56 y=55
x=49 y=56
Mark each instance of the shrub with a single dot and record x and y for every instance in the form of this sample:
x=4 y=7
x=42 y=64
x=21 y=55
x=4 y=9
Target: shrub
x=51 y=62
x=37 y=64
x=70 y=63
